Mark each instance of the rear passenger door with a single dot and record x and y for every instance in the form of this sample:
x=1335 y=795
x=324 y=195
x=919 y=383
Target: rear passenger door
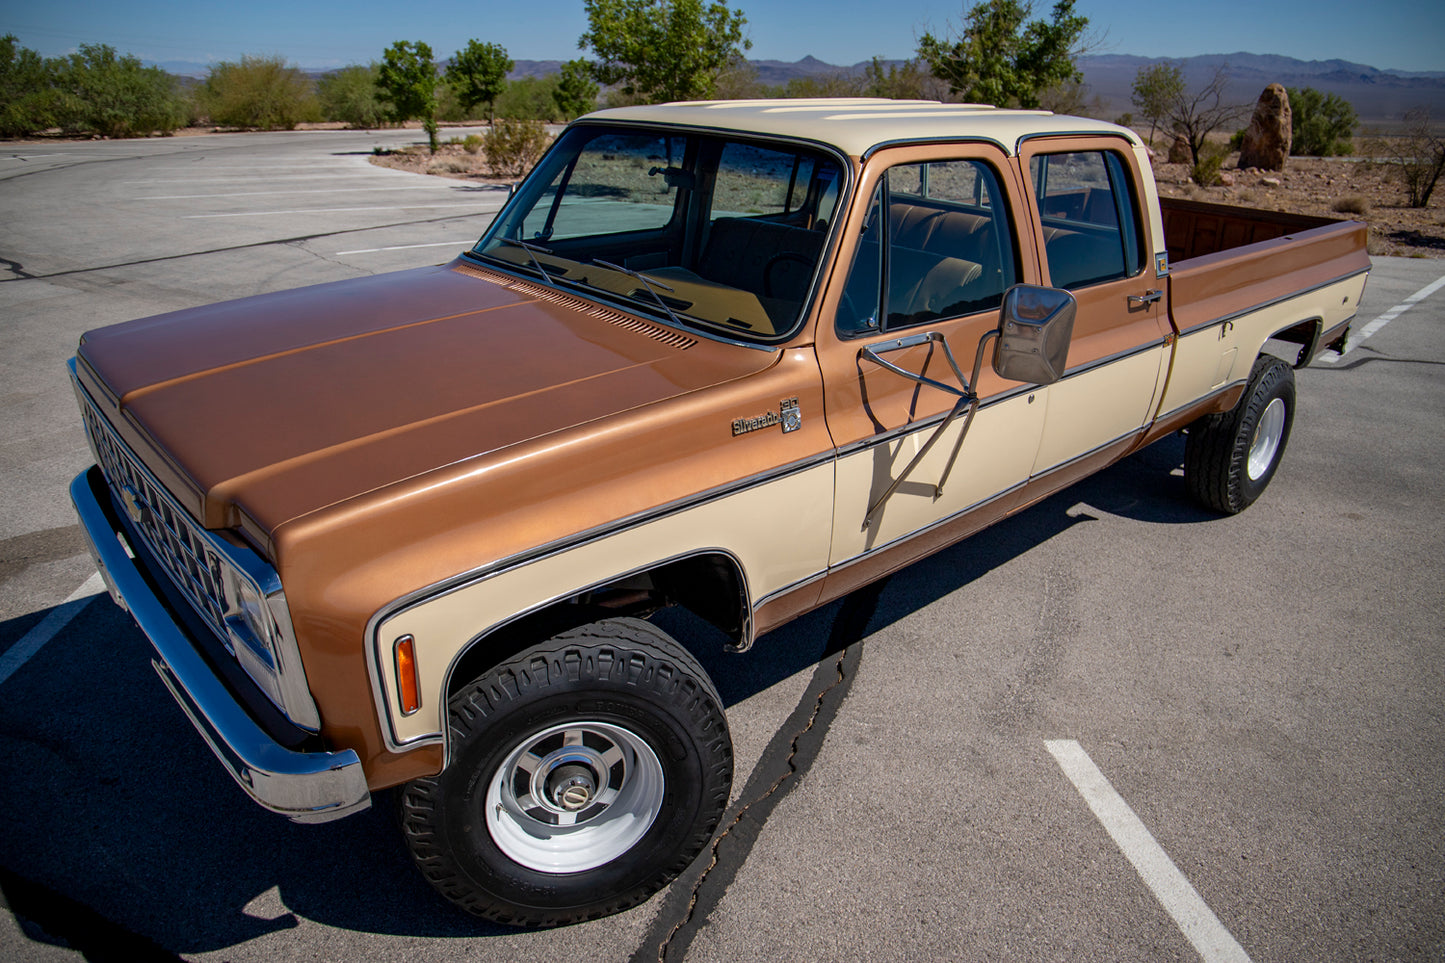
x=929 y=246
x=1091 y=232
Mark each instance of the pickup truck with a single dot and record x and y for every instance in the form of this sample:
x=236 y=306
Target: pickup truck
x=408 y=530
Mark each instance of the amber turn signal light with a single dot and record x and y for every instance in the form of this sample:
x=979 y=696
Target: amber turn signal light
x=409 y=689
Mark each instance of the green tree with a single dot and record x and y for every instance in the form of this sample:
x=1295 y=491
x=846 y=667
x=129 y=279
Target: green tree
x=529 y=98
x=259 y=92
x=1321 y=125
x=576 y=92
x=662 y=50
x=27 y=98
x=407 y=79
x=349 y=95
x=1005 y=59
x=115 y=96
x=478 y=74
x=1156 y=88
x=907 y=82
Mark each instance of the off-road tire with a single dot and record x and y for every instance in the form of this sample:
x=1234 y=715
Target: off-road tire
x=622 y=678
x=1218 y=467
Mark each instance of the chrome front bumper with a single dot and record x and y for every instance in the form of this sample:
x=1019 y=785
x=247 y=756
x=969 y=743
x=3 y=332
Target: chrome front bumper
x=306 y=787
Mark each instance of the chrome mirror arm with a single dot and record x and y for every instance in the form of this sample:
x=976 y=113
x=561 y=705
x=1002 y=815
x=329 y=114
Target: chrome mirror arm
x=967 y=401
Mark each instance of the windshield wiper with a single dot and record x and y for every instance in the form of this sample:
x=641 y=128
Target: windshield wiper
x=532 y=251
x=647 y=283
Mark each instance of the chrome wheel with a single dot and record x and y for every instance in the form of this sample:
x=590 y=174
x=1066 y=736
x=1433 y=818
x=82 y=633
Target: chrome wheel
x=1267 y=436
x=574 y=796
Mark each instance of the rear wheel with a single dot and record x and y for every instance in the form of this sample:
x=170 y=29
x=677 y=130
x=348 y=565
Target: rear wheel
x=585 y=773
x=1230 y=457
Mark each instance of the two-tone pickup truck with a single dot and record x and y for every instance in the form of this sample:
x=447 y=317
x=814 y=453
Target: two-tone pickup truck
x=742 y=357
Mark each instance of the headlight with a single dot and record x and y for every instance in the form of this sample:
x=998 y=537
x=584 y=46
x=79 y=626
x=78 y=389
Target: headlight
x=258 y=628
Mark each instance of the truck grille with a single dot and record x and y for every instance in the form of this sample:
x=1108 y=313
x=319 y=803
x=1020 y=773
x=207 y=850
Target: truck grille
x=180 y=545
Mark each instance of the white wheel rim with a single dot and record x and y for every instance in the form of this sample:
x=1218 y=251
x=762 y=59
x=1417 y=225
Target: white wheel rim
x=1267 y=435
x=574 y=797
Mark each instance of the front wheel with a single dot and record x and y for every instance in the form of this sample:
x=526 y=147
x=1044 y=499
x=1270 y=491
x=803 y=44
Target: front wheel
x=1229 y=458
x=585 y=773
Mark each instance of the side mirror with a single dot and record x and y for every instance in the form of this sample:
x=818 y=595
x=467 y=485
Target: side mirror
x=1034 y=328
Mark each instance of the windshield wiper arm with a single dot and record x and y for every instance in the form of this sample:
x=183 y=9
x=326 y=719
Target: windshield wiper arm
x=647 y=283
x=532 y=251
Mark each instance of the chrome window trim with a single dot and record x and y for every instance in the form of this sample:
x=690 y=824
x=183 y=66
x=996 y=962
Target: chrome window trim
x=801 y=323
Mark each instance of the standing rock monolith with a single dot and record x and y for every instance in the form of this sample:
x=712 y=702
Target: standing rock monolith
x=1267 y=140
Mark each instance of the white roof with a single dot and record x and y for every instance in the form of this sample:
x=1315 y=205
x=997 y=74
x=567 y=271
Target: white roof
x=856 y=125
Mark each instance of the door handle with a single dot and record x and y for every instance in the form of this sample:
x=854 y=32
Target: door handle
x=1148 y=297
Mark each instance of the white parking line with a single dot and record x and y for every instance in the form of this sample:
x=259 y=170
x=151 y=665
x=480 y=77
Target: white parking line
x=1180 y=899
x=407 y=247
x=334 y=210
x=339 y=190
x=49 y=627
x=1358 y=338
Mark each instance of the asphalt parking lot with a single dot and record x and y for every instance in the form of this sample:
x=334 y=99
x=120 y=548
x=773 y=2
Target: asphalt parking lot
x=1114 y=727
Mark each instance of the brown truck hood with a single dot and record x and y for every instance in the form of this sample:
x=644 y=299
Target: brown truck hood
x=283 y=404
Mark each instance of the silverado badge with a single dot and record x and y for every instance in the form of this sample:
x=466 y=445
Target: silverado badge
x=788 y=415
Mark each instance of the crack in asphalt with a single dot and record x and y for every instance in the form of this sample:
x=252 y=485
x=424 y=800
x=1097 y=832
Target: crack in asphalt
x=236 y=247
x=784 y=762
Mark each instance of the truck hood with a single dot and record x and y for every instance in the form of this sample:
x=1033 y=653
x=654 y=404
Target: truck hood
x=279 y=405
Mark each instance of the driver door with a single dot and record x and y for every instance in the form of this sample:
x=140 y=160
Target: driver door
x=937 y=242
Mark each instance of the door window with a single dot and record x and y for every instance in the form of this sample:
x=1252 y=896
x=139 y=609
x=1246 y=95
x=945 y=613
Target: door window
x=1086 y=206
x=937 y=243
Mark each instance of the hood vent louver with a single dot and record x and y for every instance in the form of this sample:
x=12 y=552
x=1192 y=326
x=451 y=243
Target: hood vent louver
x=543 y=293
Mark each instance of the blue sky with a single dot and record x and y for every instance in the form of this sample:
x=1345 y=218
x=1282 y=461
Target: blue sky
x=1401 y=34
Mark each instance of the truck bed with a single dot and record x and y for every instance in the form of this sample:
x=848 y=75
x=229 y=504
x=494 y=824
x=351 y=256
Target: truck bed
x=1228 y=262
x=1195 y=228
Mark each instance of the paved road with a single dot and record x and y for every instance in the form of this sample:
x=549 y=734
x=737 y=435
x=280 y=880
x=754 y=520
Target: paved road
x=1253 y=702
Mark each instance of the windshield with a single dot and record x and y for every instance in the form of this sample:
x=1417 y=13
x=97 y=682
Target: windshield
x=706 y=230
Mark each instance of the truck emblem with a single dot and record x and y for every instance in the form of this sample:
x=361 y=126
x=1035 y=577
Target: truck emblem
x=134 y=507
x=788 y=415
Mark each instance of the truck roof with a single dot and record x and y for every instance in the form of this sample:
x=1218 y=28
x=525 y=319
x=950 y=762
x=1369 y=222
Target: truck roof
x=858 y=125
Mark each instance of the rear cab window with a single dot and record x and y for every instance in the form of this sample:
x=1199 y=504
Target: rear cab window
x=1089 y=217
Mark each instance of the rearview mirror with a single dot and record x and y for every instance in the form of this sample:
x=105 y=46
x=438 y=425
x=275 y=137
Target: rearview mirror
x=1034 y=328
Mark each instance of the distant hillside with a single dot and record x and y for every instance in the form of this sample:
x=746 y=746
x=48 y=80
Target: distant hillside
x=1380 y=97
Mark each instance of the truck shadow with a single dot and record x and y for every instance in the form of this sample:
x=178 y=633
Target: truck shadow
x=117 y=807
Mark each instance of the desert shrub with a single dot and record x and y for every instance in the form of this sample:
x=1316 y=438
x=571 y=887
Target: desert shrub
x=1321 y=125
x=348 y=95
x=1416 y=156
x=259 y=92
x=1205 y=171
x=513 y=146
x=95 y=91
x=1236 y=142
x=473 y=143
x=1351 y=204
